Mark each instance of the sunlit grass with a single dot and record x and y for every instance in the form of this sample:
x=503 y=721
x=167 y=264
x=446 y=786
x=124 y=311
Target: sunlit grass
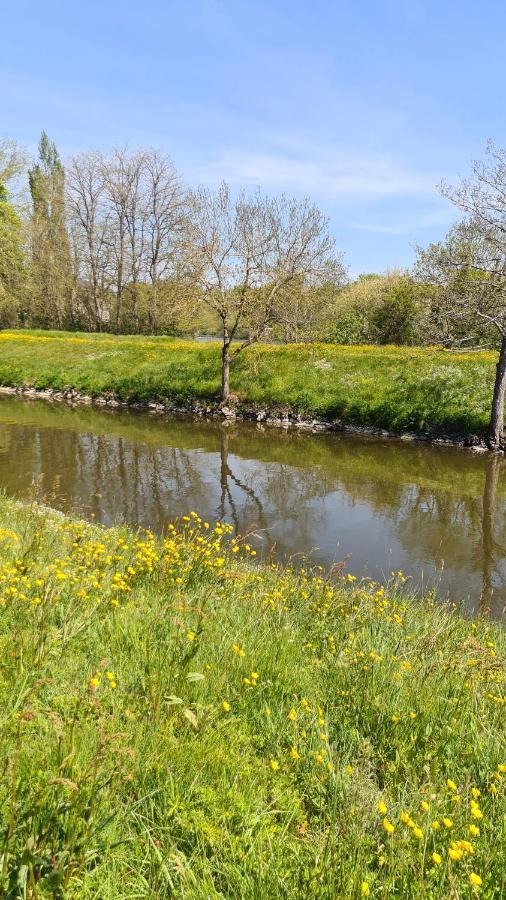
x=397 y=388
x=179 y=721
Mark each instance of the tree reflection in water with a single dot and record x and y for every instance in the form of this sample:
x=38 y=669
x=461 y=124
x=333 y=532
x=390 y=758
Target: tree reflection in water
x=436 y=513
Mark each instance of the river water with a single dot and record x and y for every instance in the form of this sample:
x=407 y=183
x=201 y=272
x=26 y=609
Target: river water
x=438 y=514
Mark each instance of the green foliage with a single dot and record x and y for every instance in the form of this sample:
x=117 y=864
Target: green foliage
x=50 y=302
x=12 y=263
x=382 y=309
x=178 y=722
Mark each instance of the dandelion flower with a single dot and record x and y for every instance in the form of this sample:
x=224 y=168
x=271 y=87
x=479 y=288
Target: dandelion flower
x=474 y=830
x=475 y=879
x=476 y=812
x=447 y=823
x=418 y=833
x=382 y=808
x=387 y=825
x=455 y=853
x=437 y=859
x=451 y=785
x=226 y=705
x=274 y=765
x=425 y=806
x=466 y=846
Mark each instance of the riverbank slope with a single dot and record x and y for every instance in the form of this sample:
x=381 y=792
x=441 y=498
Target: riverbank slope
x=427 y=392
x=177 y=721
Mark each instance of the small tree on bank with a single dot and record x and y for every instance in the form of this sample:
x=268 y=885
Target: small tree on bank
x=246 y=253
x=470 y=269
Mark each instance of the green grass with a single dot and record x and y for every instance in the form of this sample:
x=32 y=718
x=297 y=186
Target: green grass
x=178 y=722
x=397 y=388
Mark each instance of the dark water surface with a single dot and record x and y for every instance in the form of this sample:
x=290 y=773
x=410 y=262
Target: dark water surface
x=438 y=514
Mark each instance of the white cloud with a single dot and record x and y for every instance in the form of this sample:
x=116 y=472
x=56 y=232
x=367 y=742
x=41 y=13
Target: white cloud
x=334 y=175
x=441 y=215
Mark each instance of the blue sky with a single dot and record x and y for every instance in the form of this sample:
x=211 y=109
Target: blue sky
x=364 y=104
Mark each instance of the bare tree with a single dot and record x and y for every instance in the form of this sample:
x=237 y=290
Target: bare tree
x=90 y=229
x=126 y=217
x=470 y=268
x=122 y=179
x=246 y=252
x=166 y=218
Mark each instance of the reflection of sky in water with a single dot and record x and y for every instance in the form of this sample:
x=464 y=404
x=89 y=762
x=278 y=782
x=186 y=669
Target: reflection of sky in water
x=381 y=505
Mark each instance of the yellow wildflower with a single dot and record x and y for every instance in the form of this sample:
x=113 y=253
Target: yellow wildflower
x=437 y=859
x=382 y=808
x=387 y=825
x=226 y=705
x=365 y=889
x=475 y=879
x=476 y=812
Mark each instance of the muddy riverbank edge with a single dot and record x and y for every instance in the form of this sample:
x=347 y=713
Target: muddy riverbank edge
x=273 y=416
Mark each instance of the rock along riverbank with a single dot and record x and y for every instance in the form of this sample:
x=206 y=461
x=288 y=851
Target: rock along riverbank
x=275 y=416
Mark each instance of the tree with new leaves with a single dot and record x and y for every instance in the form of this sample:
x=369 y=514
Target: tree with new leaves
x=51 y=259
x=470 y=269
x=12 y=261
x=246 y=253
x=12 y=238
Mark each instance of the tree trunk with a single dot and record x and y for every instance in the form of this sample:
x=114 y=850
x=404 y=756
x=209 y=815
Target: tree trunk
x=225 y=373
x=494 y=464
x=496 y=436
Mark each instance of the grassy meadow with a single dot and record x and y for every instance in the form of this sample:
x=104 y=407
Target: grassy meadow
x=396 y=388
x=177 y=721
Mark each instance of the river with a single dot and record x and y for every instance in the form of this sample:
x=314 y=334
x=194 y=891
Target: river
x=438 y=514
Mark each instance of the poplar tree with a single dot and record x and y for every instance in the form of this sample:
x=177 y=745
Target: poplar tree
x=51 y=259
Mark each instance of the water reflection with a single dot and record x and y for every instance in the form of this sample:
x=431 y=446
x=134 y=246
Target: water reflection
x=436 y=513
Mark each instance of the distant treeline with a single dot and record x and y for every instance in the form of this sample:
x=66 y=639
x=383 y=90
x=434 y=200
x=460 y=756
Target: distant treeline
x=117 y=242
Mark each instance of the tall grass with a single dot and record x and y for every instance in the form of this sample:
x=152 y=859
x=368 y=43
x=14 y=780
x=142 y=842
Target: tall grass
x=177 y=721
x=397 y=388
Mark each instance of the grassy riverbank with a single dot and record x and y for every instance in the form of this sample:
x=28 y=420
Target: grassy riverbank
x=397 y=388
x=178 y=722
